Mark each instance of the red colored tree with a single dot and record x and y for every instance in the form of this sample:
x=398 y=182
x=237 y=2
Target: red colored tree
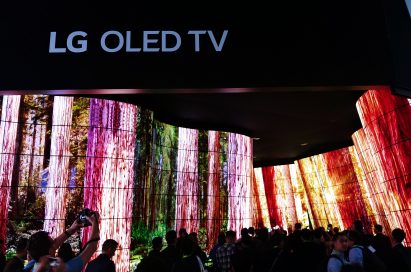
x=110 y=173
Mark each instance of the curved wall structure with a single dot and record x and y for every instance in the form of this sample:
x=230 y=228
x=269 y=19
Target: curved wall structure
x=370 y=181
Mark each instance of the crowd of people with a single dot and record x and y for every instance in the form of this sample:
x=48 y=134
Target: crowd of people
x=256 y=250
x=318 y=250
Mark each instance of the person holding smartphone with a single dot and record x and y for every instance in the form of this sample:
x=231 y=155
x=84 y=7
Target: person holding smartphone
x=41 y=247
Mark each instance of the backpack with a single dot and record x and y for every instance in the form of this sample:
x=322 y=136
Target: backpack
x=372 y=263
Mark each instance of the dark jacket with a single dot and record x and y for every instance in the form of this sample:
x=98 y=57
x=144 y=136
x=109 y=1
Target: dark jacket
x=101 y=264
x=152 y=263
x=15 y=264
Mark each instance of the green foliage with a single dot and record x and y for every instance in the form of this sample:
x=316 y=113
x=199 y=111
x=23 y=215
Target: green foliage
x=10 y=253
x=143 y=235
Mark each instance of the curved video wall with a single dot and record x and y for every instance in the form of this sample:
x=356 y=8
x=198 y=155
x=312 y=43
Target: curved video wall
x=61 y=154
x=370 y=181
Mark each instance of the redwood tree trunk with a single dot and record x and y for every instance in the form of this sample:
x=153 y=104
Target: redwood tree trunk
x=187 y=180
x=8 y=141
x=55 y=212
x=239 y=182
x=214 y=219
x=110 y=173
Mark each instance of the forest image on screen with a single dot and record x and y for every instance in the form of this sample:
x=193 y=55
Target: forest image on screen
x=61 y=154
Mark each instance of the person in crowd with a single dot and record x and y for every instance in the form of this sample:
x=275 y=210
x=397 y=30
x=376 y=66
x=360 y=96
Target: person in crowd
x=41 y=247
x=382 y=244
x=224 y=253
x=103 y=262
x=181 y=234
x=337 y=260
x=154 y=261
x=65 y=252
x=16 y=264
x=2 y=256
x=213 y=252
x=330 y=229
x=251 y=232
x=244 y=235
x=294 y=239
x=170 y=254
x=309 y=254
x=401 y=256
x=190 y=262
x=355 y=253
x=197 y=249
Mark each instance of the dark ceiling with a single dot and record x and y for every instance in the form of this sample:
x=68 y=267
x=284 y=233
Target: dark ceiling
x=279 y=121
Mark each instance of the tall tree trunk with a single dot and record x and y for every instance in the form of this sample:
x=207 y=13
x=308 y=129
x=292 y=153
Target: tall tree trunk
x=239 y=182
x=55 y=212
x=270 y=193
x=214 y=218
x=187 y=180
x=8 y=136
x=110 y=173
x=262 y=217
x=284 y=196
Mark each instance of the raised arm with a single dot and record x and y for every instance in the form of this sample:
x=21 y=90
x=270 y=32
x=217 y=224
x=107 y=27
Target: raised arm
x=63 y=237
x=91 y=245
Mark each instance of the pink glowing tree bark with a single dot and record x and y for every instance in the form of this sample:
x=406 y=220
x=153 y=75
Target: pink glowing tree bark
x=261 y=215
x=110 y=173
x=187 y=180
x=8 y=136
x=239 y=185
x=214 y=220
x=55 y=212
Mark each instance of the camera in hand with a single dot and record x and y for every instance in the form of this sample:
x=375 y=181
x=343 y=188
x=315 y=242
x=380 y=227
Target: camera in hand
x=82 y=217
x=53 y=262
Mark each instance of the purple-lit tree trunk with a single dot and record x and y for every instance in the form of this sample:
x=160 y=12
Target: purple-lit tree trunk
x=214 y=219
x=187 y=180
x=110 y=173
x=8 y=136
x=239 y=184
x=55 y=212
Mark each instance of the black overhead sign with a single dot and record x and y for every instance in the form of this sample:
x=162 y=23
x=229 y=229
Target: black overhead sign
x=149 y=44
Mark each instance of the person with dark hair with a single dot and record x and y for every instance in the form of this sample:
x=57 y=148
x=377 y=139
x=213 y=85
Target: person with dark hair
x=355 y=253
x=65 y=252
x=154 y=261
x=251 y=232
x=337 y=260
x=225 y=252
x=382 y=244
x=16 y=264
x=170 y=254
x=213 y=252
x=2 y=256
x=41 y=247
x=189 y=262
x=197 y=249
x=103 y=262
x=309 y=254
x=401 y=256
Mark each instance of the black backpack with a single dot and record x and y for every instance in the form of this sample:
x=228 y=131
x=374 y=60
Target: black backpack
x=372 y=263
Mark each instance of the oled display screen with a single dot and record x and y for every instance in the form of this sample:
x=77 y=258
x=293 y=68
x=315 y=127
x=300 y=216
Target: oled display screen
x=144 y=177
x=369 y=181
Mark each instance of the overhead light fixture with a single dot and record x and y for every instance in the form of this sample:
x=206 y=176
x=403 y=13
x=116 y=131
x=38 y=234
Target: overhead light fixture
x=304 y=144
x=256 y=138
